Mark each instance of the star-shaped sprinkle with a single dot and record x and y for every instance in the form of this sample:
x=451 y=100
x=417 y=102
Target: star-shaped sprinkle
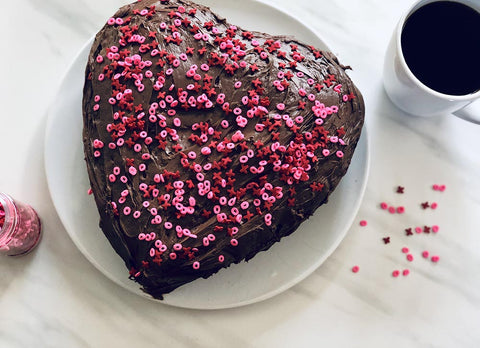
x=400 y=189
x=426 y=229
x=425 y=205
x=386 y=240
x=408 y=231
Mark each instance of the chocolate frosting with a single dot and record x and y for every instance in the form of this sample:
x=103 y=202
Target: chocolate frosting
x=156 y=130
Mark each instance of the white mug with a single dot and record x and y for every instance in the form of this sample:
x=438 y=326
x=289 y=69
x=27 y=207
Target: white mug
x=410 y=94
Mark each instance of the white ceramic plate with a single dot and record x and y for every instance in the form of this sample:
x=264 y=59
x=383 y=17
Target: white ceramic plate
x=268 y=273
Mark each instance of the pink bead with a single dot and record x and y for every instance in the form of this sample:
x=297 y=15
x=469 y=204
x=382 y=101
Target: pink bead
x=355 y=269
x=435 y=228
x=435 y=258
x=425 y=254
x=410 y=257
x=396 y=273
x=391 y=210
x=418 y=230
x=434 y=205
x=406 y=272
x=400 y=210
x=363 y=223
x=405 y=250
x=384 y=205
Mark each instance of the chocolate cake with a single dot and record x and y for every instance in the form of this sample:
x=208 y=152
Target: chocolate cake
x=206 y=143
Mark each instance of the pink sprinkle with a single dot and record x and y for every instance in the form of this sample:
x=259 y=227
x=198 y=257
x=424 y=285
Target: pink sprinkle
x=400 y=210
x=281 y=106
x=405 y=250
x=196 y=265
x=384 y=205
x=435 y=228
x=442 y=188
x=391 y=210
x=396 y=273
x=418 y=229
x=355 y=269
x=435 y=258
x=434 y=205
x=89 y=191
x=406 y=272
x=206 y=150
x=410 y=257
x=363 y=223
x=234 y=242
x=425 y=254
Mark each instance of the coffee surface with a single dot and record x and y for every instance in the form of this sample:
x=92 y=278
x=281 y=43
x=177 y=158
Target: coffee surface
x=441 y=45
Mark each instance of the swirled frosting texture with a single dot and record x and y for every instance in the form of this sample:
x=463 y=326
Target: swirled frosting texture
x=206 y=143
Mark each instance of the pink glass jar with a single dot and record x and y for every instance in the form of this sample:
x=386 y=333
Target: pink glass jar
x=20 y=228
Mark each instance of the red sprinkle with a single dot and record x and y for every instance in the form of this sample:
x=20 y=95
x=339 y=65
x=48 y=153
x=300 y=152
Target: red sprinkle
x=400 y=189
x=386 y=240
x=363 y=223
x=355 y=269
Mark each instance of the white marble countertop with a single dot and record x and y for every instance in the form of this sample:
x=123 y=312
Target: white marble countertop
x=55 y=298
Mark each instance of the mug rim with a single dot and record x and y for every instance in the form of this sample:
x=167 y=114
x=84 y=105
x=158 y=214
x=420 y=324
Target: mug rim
x=418 y=4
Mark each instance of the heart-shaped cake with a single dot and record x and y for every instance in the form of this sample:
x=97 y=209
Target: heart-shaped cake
x=206 y=143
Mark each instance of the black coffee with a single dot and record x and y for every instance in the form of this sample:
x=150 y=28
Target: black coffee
x=441 y=45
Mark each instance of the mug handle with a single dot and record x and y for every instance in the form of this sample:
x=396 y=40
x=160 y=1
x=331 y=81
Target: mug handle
x=470 y=113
